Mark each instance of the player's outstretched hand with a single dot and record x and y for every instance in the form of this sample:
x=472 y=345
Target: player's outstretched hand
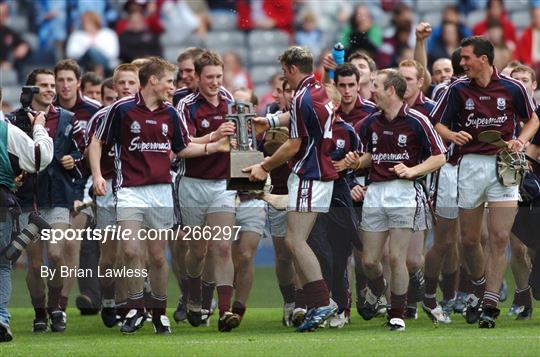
x=261 y=124
x=257 y=173
x=515 y=145
x=225 y=129
x=100 y=186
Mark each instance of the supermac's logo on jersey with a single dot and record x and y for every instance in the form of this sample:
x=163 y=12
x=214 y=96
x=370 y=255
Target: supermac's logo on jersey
x=374 y=138
x=469 y=104
x=340 y=143
x=164 y=129
x=135 y=127
x=205 y=123
x=501 y=104
x=402 y=140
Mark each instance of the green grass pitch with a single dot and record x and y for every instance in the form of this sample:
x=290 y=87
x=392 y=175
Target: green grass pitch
x=261 y=333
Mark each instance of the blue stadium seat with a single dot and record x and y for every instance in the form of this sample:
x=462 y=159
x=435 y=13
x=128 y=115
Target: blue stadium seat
x=222 y=21
x=521 y=19
x=225 y=39
x=261 y=74
x=265 y=55
x=8 y=77
x=260 y=38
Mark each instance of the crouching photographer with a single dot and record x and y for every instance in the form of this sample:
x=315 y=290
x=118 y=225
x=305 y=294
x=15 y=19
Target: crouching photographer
x=18 y=152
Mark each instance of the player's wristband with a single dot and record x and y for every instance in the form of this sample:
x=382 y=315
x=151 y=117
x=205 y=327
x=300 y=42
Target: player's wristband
x=521 y=142
x=273 y=120
x=206 y=149
x=264 y=168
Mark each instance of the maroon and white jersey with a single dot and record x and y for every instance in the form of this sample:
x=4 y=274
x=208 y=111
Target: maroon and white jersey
x=408 y=139
x=474 y=109
x=107 y=153
x=361 y=110
x=424 y=105
x=83 y=109
x=311 y=121
x=200 y=118
x=143 y=140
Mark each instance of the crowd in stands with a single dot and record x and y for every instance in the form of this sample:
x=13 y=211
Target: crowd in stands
x=102 y=34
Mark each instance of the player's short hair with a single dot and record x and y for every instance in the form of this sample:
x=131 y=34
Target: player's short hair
x=513 y=64
x=91 y=77
x=155 y=66
x=332 y=93
x=207 y=58
x=107 y=83
x=300 y=57
x=31 y=78
x=526 y=69
x=412 y=63
x=394 y=79
x=189 y=53
x=68 y=65
x=481 y=46
x=363 y=55
x=456 y=60
x=253 y=99
x=139 y=62
x=345 y=70
x=124 y=67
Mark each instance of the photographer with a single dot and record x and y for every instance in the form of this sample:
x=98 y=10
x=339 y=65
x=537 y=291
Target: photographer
x=53 y=192
x=17 y=152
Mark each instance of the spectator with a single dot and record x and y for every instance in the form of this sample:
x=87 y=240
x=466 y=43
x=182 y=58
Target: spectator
x=503 y=55
x=528 y=52
x=178 y=18
x=309 y=35
x=449 y=41
x=105 y=9
x=396 y=48
x=150 y=15
x=234 y=75
x=93 y=45
x=52 y=28
x=495 y=10
x=137 y=41
x=13 y=49
x=91 y=85
x=265 y=14
x=450 y=14
x=362 y=33
x=402 y=18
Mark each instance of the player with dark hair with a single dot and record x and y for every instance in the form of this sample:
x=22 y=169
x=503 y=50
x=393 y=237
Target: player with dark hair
x=311 y=180
x=91 y=86
x=108 y=93
x=484 y=100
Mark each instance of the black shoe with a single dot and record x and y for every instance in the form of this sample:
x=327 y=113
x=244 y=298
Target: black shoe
x=472 y=309
x=109 y=317
x=525 y=314
x=85 y=304
x=411 y=313
x=488 y=317
x=180 y=314
x=194 y=317
x=40 y=325
x=5 y=333
x=134 y=321
x=371 y=304
x=58 y=321
x=162 y=326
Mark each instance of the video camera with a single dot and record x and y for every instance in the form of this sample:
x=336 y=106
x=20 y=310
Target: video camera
x=21 y=116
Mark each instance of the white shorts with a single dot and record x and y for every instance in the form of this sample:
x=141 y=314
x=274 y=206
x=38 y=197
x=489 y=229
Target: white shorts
x=251 y=216
x=477 y=182
x=309 y=195
x=199 y=197
x=150 y=204
x=52 y=216
x=277 y=220
x=447 y=192
x=86 y=198
x=394 y=204
x=106 y=208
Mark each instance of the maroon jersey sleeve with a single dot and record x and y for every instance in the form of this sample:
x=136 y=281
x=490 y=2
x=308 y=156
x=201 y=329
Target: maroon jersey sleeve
x=180 y=138
x=297 y=125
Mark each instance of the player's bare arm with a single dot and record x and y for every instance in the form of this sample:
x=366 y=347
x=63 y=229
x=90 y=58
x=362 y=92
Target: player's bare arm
x=94 y=155
x=431 y=164
x=281 y=156
x=527 y=132
x=356 y=161
x=459 y=138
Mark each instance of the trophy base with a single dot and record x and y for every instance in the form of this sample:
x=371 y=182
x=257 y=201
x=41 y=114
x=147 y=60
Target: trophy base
x=238 y=180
